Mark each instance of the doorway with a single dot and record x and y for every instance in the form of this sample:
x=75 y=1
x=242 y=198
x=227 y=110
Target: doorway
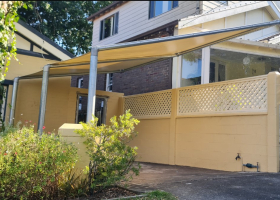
x=100 y=108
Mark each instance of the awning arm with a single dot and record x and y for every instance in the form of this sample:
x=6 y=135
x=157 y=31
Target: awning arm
x=92 y=83
x=14 y=99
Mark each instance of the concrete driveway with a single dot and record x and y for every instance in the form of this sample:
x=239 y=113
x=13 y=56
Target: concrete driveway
x=197 y=183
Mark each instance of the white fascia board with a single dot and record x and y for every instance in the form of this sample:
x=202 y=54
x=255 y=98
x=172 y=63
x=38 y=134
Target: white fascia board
x=225 y=11
x=40 y=42
x=273 y=10
x=254 y=43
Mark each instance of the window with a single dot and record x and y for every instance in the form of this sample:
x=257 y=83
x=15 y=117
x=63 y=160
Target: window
x=109 y=26
x=159 y=7
x=109 y=82
x=100 y=109
x=227 y=65
x=80 y=82
x=191 y=68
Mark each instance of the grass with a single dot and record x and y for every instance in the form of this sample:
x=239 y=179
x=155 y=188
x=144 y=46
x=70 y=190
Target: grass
x=157 y=195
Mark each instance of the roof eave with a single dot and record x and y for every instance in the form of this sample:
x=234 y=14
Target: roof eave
x=103 y=11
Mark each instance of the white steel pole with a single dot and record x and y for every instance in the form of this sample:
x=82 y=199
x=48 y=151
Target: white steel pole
x=92 y=83
x=14 y=99
x=205 y=71
x=43 y=102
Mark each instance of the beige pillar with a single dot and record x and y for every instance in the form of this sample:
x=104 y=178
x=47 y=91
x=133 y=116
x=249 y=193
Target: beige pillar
x=121 y=106
x=273 y=86
x=172 y=136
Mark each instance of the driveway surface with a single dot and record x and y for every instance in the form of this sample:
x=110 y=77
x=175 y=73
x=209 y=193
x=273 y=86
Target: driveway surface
x=196 y=183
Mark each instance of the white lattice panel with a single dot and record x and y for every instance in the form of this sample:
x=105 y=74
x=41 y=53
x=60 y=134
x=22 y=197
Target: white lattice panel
x=150 y=104
x=242 y=95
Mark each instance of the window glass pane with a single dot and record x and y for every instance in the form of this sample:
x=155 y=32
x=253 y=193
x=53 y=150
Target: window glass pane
x=159 y=7
x=152 y=7
x=116 y=23
x=191 y=68
x=101 y=30
x=175 y=4
x=107 y=27
x=228 y=65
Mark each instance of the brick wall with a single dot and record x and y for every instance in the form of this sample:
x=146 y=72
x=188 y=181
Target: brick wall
x=101 y=81
x=149 y=78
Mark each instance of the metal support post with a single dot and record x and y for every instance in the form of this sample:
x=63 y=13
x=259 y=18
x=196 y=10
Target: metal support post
x=43 y=101
x=92 y=84
x=14 y=99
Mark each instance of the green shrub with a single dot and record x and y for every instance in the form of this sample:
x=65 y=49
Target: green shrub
x=33 y=166
x=111 y=158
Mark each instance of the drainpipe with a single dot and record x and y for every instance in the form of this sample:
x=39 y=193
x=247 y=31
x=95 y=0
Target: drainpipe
x=14 y=99
x=92 y=83
x=43 y=101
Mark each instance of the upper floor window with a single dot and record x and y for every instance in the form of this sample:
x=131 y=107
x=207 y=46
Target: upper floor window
x=159 y=7
x=109 y=26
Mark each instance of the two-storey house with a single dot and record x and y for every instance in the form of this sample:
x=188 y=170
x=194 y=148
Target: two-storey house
x=124 y=21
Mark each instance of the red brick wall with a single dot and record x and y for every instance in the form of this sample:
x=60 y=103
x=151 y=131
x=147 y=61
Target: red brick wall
x=149 y=78
x=101 y=81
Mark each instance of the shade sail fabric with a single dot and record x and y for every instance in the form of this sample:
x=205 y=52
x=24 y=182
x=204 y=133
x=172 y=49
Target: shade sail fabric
x=123 y=56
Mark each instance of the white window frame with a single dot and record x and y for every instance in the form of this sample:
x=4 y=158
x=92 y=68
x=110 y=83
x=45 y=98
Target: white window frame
x=114 y=26
x=108 y=84
x=80 y=82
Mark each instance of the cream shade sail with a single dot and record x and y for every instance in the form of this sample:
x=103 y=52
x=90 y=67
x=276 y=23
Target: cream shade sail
x=123 y=56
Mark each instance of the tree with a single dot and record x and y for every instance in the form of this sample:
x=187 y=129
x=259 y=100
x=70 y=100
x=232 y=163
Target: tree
x=8 y=15
x=64 y=22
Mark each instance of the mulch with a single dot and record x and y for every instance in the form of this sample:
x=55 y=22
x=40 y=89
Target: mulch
x=109 y=193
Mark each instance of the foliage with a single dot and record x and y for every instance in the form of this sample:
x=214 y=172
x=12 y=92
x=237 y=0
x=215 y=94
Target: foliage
x=64 y=22
x=160 y=195
x=33 y=166
x=111 y=158
x=8 y=15
x=157 y=195
x=75 y=185
x=191 y=57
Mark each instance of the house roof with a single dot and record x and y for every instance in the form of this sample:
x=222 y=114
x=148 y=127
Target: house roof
x=43 y=37
x=108 y=8
x=225 y=11
x=271 y=39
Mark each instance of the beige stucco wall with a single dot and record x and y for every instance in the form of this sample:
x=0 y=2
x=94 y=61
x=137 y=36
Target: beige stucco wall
x=213 y=140
x=153 y=140
x=61 y=102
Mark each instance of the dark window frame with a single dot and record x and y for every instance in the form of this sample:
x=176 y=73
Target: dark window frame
x=115 y=26
x=152 y=6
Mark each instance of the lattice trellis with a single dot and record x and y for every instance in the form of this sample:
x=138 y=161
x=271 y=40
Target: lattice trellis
x=150 y=104
x=245 y=95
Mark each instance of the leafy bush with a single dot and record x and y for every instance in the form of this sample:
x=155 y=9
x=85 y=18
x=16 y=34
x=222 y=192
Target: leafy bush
x=33 y=166
x=111 y=158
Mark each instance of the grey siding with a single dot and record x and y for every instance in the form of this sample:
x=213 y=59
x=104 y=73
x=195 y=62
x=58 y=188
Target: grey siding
x=134 y=20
